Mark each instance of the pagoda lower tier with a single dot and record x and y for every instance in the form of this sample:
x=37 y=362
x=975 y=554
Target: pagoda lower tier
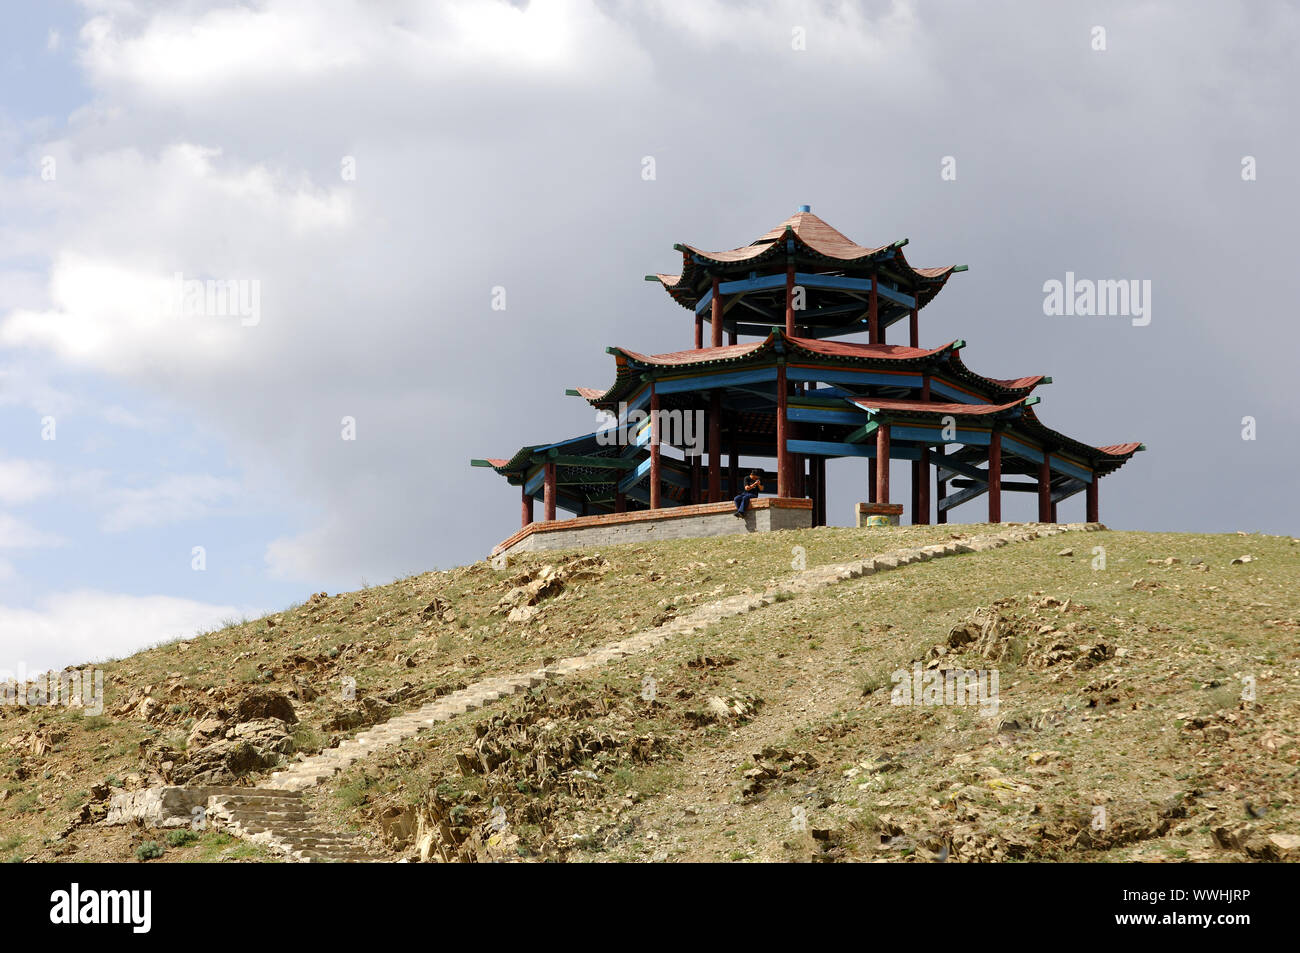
x=797 y=402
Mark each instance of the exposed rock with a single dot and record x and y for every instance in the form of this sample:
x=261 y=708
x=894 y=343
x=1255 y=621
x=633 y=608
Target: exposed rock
x=203 y=732
x=266 y=704
x=266 y=734
x=549 y=581
x=224 y=761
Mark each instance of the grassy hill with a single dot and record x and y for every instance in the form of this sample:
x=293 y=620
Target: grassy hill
x=1121 y=732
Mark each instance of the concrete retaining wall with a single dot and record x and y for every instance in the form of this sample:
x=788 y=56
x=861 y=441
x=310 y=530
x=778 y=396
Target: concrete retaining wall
x=678 y=522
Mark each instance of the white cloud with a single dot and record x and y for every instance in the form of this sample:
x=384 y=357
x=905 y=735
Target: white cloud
x=15 y=534
x=288 y=44
x=77 y=627
x=113 y=281
x=22 y=481
x=177 y=498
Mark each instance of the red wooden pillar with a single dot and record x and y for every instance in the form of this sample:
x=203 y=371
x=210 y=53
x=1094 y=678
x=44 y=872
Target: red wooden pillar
x=1091 y=495
x=1053 y=512
x=995 y=477
x=783 y=474
x=789 y=301
x=914 y=329
x=873 y=314
x=699 y=331
x=548 y=493
x=620 y=501
x=716 y=319
x=1045 y=490
x=731 y=336
x=882 y=463
x=654 y=449
x=923 y=489
x=715 y=446
x=526 y=508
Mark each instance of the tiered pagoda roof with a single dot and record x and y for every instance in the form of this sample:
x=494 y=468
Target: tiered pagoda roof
x=814 y=248
x=797 y=393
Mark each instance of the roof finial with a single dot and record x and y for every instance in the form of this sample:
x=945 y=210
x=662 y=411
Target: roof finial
x=805 y=208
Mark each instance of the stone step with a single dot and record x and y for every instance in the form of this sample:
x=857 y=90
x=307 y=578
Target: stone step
x=247 y=818
x=247 y=792
x=302 y=836
x=258 y=796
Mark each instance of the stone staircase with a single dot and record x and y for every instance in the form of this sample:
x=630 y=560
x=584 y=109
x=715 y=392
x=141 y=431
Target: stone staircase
x=277 y=815
x=281 y=820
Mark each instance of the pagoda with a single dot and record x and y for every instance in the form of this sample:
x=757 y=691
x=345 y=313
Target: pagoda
x=796 y=393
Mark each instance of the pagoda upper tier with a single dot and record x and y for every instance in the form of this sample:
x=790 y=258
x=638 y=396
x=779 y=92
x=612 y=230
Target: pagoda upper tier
x=840 y=287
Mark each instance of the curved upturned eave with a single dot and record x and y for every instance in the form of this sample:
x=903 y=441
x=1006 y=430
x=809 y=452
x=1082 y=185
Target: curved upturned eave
x=1103 y=460
x=630 y=364
x=992 y=386
x=686 y=288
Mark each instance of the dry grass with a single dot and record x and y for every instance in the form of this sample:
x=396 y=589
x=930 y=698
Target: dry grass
x=1153 y=729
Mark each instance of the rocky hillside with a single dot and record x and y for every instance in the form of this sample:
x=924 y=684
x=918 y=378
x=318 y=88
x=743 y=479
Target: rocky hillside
x=1146 y=708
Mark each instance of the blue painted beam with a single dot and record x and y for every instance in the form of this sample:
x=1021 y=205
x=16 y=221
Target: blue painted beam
x=945 y=462
x=934 y=435
x=816 y=415
x=743 y=285
x=1071 y=470
x=1068 y=490
x=956 y=499
x=1023 y=450
x=826 y=448
x=828 y=376
x=666 y=475
x=960 y=397
x=635 y=476
x=1034 y=455
x=808 y=280
x=711 y=381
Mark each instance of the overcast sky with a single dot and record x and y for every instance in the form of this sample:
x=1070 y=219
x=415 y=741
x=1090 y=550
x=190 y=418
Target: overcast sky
x=376 y=168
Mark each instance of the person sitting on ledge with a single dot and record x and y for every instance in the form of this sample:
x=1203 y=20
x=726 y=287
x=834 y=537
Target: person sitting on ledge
x=753 y=487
